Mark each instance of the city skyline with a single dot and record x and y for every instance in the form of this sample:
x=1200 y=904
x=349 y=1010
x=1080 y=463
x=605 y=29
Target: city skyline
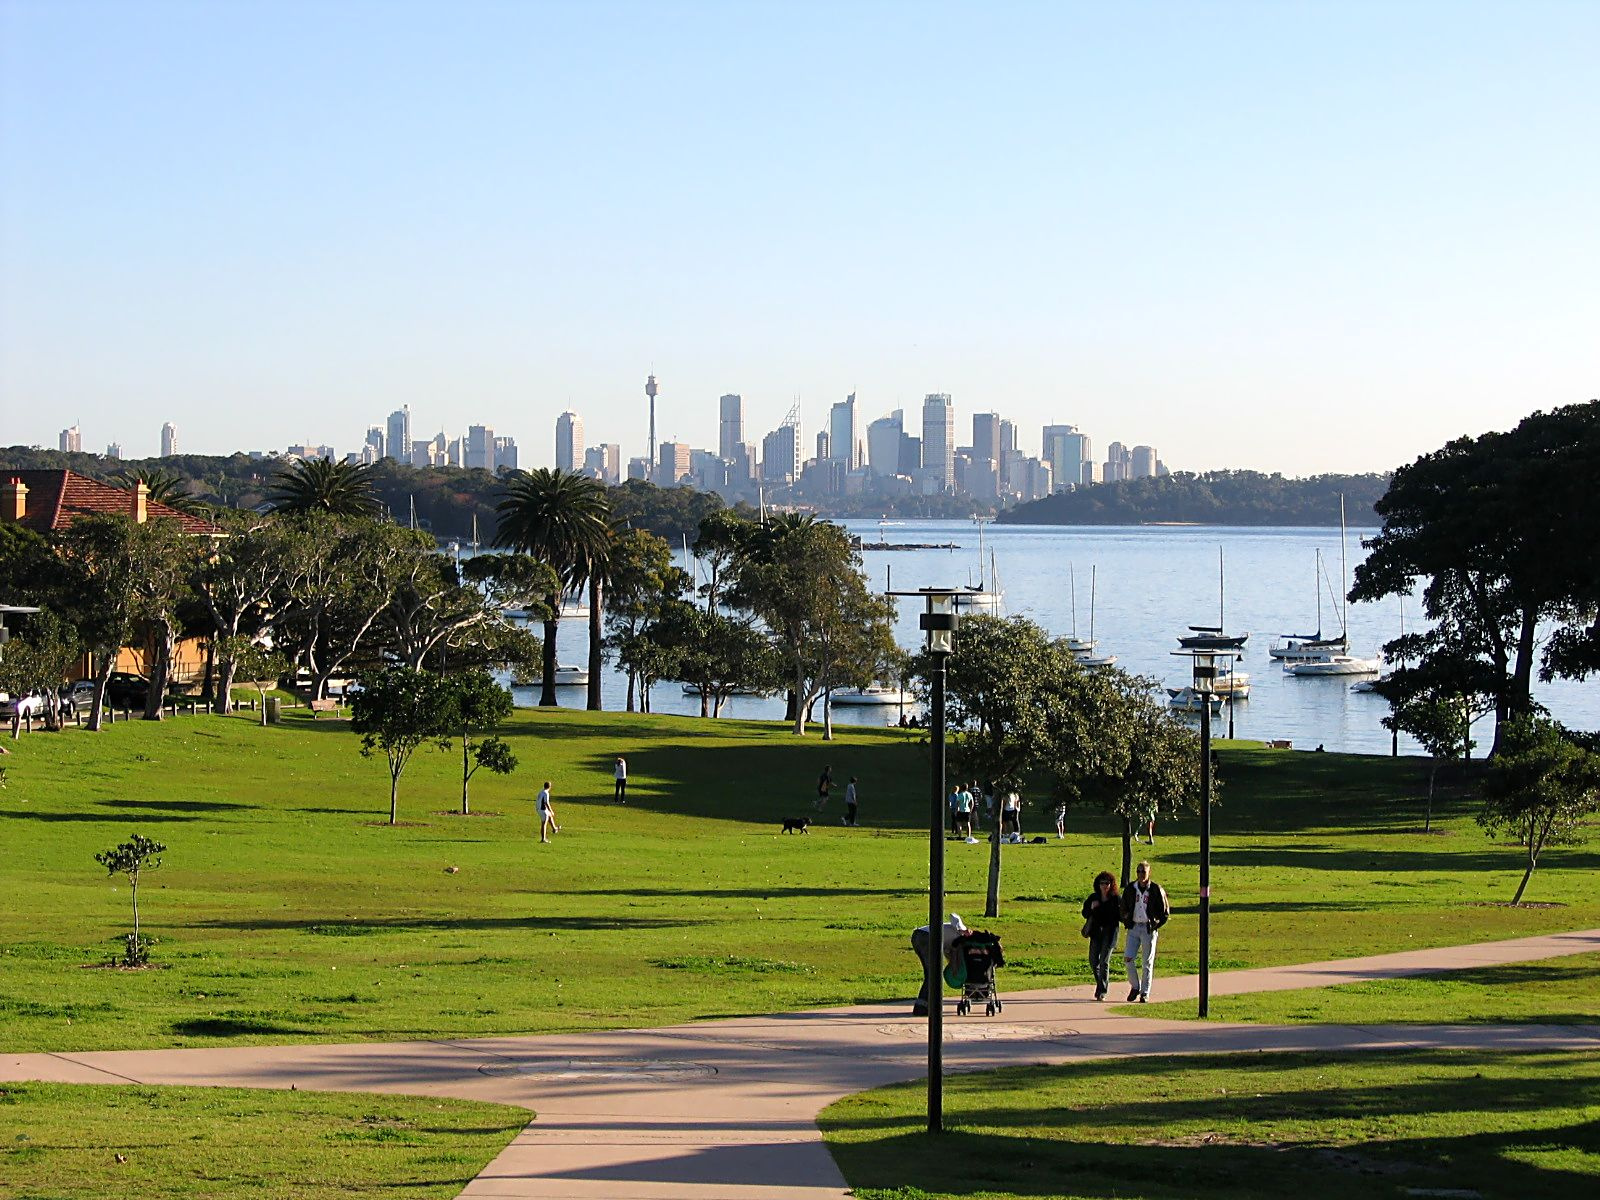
x=1214 y=230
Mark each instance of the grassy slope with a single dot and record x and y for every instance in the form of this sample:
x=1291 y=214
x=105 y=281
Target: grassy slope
x=219 y=1143
x=1230 y=1128
x=287 y=911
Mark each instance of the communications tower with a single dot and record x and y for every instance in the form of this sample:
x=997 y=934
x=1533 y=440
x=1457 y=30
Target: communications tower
x=650 y=390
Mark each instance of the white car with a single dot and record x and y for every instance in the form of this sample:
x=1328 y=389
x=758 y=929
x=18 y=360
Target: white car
x=30 y=705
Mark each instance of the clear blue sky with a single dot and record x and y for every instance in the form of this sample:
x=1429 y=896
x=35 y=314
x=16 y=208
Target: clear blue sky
x=1294 y=237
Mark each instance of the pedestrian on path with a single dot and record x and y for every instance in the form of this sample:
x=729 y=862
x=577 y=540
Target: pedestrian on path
x=547 y=815
x=850 y=802
x=1145 y=910
x=620 y=773
x=1102 y=914
x=920 y=942
x=824 y=786
x=954 y=805
x=1061 y=820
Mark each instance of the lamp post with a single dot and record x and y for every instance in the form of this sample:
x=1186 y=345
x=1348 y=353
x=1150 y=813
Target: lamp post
x=1204 y=683
x=939 y=623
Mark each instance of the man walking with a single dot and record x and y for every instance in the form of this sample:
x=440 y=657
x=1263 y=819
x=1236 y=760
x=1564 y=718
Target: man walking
x=850 y=801
x=621 y=776
x=547 y=815
x=1145 y=910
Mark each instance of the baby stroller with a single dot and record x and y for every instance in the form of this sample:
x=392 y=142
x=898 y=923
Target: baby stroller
x=973 y=957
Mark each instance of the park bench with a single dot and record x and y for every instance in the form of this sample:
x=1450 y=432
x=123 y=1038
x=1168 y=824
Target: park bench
x=329 y=705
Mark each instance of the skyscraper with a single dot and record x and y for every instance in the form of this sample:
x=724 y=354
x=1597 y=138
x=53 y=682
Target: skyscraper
x=730 y=434
x=480 y=448
x=1066 y=450
x=374 y=443
x=397 y=439
x=114 y=450
x=169 y=440
x=604 y=462
x=986 y=436
x=71 y=441
x=505 y=453
x=1144 y=462
x=883 y=443
x=672 y=464
x=569 y=442
x=939 y=439
x=842 y=435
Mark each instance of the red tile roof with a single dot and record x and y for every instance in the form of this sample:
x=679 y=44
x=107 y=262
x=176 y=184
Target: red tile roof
x=57 y=498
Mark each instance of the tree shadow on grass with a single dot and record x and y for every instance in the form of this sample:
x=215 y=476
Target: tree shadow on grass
x=199 y=806
x=1017 y=1146
x=369 y=926
x=92 y=818
x=228 y=1027
x=757 y=893
x=1397 y=865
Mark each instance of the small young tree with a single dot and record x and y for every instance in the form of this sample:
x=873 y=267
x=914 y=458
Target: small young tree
x=1540 y=788
x=255 y=662
x=395 y=712
x=478 y=703
x=131 y=858
x=1441 y=725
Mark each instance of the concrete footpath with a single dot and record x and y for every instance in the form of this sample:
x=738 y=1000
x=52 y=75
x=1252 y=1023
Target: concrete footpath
x=728 y=1108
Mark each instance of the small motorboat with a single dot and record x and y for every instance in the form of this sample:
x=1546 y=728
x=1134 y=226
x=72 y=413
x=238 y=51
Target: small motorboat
x=1334 y=664
x=1234 y=684
x=1186 y=699
x=565 y=677
x=869 y=696
x=691 y=689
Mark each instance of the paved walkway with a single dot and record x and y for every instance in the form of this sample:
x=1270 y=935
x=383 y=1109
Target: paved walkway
x=728 y=1109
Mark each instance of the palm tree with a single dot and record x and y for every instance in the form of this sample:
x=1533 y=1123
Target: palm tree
x=564 y=520
x=322 y=485
x=164 y=487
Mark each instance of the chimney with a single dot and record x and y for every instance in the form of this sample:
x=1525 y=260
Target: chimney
x=13 y=500
x=141 y=494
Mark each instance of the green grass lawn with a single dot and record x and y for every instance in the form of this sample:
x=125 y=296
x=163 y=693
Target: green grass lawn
x=222 y=1143
x=1560 y=991
x=1312 y=1126
x=287 y=909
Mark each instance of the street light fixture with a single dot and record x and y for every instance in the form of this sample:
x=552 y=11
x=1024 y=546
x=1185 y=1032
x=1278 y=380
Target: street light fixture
x=1204 y=683
x=939 y=622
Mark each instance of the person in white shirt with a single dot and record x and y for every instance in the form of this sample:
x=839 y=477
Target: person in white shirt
x=1145 y=909
x=621 y=775
x=547 y=815
x=920 y=942
x=850 y=802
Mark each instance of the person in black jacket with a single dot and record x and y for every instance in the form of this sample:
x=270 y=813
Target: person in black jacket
x=1101 y=912
x=1145 y=910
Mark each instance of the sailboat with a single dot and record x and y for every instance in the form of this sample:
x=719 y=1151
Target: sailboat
x=976 y=595
x=1331 y=663
x=1212 y=637
x=1084 y=652
x=1299 y=646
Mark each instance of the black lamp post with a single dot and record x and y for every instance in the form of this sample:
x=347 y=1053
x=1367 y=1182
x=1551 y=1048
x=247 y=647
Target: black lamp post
x=1204 y=684
x=939 y=622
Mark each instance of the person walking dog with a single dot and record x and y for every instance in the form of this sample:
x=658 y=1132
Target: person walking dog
x=1145 y=910
x=1102 y=913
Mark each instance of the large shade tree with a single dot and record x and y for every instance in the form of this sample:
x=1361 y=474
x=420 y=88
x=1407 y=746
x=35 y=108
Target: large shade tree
x=562 y=519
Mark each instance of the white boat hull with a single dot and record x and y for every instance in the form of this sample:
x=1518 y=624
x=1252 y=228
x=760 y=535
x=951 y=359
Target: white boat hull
x=1339 y=664
x=566 y=677
x=871 y=696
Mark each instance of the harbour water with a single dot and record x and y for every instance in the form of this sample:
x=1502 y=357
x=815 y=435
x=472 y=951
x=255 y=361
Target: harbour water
x=1152 y=582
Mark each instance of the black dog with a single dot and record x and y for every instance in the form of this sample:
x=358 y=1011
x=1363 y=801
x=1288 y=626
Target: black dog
x=796 y=824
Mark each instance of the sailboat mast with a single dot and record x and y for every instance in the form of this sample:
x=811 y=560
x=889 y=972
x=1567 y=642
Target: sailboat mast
x=1344 y=574
x=1094 y=571
x=1222 y=593
x=1072 y=581
x=1316 y=586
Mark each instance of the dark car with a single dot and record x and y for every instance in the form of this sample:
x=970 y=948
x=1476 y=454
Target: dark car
x=126 y=690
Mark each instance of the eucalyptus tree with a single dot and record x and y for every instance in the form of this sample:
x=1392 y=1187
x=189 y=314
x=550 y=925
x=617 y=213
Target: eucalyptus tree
x=802 y=578
x=562 y=519
x=321 y=485
x=643 y=579
x=241 y=582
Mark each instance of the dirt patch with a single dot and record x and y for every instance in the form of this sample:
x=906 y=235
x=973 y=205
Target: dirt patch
x=1508 y=904
x=465 y=815
x=396 y=825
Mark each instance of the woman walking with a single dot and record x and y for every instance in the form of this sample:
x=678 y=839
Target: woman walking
x=1102 y=914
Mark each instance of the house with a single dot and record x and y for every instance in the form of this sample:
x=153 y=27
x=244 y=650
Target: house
x=46 y=501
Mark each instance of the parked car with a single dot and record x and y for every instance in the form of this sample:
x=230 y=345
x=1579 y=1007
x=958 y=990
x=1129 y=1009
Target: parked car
x=31 y=704
x=126 y=690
